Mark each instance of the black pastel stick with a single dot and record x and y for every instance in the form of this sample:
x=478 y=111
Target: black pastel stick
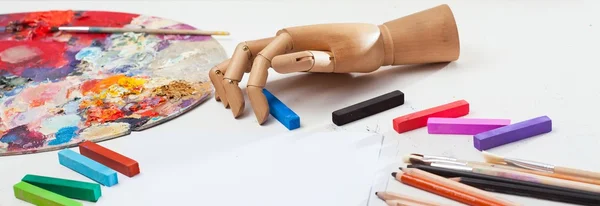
x=449 y=173
x=368 y=108
x=528 y=191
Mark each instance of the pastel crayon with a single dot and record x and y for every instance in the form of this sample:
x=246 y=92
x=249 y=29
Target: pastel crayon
x=88 y=167
x=512 y=133
x=68 y=188
x=38 y=196
x=281 y=112
x=109 y=158
x=367 y=108
x=466 y=126
x=419 y=119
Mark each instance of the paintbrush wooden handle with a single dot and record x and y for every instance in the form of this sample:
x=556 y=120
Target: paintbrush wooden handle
x=547 y=174
x=155 y=31
x=577 y=172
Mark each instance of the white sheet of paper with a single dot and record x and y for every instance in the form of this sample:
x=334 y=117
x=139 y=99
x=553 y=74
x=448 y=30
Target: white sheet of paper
x=323 y=168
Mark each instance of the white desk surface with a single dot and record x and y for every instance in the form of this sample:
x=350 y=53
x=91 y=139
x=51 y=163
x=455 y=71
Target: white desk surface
x=519 y=59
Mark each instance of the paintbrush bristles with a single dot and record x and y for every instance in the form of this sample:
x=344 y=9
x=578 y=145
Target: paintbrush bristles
x=418 y=161
x=492 y=158
x=407 y=159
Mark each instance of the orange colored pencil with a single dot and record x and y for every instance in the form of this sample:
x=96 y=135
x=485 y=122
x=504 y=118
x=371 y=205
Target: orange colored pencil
x=440 y=190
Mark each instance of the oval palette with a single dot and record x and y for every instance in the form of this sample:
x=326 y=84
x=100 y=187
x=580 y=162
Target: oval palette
x=58 y=89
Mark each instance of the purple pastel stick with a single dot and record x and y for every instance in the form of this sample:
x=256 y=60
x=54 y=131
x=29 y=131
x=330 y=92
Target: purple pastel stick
x=466 y=126
x=512 y=133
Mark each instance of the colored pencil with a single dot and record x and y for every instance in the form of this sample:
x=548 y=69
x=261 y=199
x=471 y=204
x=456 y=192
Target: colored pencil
x=457 y=186
x=528 y=191
x=451 y=173
x=440 y=190
x=85 y=29
x=386 y=196
x=400 y=203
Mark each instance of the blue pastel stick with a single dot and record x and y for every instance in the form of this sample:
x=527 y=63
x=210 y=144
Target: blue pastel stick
x=88 y=167
x=282 y=113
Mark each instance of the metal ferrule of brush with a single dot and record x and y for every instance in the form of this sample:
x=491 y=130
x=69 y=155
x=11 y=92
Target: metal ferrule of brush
x=452 y=167
x=438 y=158
x=74 y=28
x=443 y=161
x=531 y=165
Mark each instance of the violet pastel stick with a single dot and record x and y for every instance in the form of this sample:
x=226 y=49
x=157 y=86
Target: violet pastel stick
x=512 y=133
x=466 y=126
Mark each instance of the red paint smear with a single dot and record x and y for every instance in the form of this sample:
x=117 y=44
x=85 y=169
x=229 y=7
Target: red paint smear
x=100 y=19
x=44 y=20
x=52 y=56
x=149 y=113
x=147 y=103
x=7 y=19
x=102 y=115
x=105 y=19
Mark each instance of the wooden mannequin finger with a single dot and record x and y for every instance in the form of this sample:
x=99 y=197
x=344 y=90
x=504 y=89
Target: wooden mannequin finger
x=304 y=61
x=238 y=65
x=216 y=77
x=259 y=72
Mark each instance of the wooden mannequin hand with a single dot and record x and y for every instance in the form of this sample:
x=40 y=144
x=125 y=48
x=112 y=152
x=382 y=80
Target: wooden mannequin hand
x=425 y=37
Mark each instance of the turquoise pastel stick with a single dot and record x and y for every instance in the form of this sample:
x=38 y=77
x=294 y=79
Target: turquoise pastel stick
x=88 y=167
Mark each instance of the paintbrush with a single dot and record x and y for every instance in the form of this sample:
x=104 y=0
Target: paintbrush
x=419 y=159
x=86 y=29
x=422 y=159
x=538 y=166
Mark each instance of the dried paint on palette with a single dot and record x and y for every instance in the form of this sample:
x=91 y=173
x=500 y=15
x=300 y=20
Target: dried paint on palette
x=58 y=89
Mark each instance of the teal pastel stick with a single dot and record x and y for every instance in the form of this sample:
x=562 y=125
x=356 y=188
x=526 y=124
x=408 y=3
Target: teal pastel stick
x=88 y=167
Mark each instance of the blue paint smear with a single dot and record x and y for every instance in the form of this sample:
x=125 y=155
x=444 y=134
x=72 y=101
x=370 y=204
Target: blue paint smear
x=8 y=138
x=89 y=53
x=122 y=69
x=44 y=74
x=72 y=107
x=162 y=45
x=13 y=92
x=134 y=122
x=63 y=135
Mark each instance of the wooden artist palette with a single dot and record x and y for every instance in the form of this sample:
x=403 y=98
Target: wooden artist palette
x=59 y=89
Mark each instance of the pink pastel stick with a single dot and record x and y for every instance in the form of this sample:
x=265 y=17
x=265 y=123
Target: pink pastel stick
x=466 y=126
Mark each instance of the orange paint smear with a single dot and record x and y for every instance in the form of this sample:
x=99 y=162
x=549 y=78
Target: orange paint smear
x=50 y=18
x=96 y=86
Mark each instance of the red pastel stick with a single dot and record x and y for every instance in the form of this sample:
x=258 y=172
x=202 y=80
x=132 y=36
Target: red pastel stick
x=419 y=119
x=109 y=158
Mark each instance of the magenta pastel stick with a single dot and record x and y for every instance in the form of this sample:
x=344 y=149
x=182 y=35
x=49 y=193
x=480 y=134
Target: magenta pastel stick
x=465 y=126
